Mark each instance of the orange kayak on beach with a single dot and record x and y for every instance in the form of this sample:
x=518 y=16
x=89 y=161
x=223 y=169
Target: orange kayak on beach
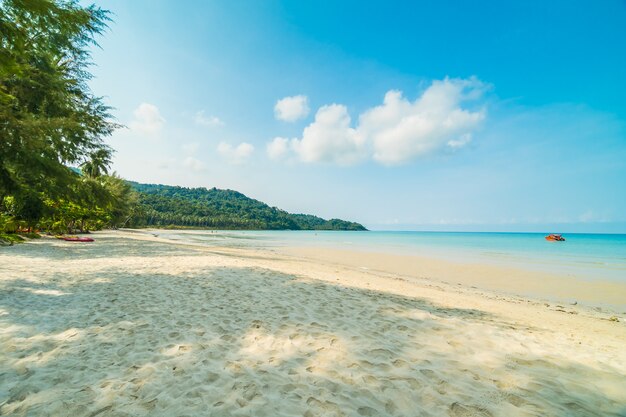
x=555 y=237
x=77 y=239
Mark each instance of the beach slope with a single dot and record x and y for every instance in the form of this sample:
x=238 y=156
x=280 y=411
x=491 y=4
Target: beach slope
x=134 y=325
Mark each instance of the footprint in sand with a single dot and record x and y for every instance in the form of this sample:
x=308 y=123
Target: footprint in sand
x=367 y=411
x=463 y=410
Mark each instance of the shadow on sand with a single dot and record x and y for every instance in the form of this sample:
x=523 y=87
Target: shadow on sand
x=254 y=342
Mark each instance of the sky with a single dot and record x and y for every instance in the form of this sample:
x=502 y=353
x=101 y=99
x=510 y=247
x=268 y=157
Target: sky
x=448 y=115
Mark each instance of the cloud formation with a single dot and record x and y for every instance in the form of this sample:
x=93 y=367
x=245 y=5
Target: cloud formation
x=277 y=148
x=400 y=130
x=292 y=108
x=394 y=132
x=148 y=119
x=235 y=154
x=330 y=138
x=207 y=121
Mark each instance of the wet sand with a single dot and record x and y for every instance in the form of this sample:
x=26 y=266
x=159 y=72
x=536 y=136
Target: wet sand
x=133 y=325
x=510 y=280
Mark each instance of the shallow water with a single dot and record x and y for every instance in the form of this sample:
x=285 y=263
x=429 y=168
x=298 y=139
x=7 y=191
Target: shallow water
x=586 y=256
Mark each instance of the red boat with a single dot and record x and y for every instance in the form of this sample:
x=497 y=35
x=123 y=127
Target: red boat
x=555 y=238
x=77 y=239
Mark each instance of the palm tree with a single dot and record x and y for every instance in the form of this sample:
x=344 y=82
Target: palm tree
x=97 y=164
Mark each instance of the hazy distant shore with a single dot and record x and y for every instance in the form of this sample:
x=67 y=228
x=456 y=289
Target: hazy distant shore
x=135 y=324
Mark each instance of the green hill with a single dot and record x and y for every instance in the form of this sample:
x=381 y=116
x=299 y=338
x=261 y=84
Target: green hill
x=164 y=206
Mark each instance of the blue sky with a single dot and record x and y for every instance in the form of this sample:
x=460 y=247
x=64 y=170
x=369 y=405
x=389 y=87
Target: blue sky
x=400 y=115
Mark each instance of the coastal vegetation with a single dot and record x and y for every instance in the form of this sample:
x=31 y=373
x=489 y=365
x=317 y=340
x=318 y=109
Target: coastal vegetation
x=54 y=162
x=162 y=205
x=50 y=121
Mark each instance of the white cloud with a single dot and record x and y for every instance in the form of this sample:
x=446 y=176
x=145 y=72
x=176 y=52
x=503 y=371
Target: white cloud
x=235 y=154
x=394 y=132
x=278 y=148
x=292 y=108
x=148 y=119
x=193 y=164
x=400 y=130
x=591 y=216
x=460 y=142
x=330 y=138
x=208 y=121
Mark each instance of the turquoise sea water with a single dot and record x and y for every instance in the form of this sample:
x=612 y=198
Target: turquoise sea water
x=587 y=256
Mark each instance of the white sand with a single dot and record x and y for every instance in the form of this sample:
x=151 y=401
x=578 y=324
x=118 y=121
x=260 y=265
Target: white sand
x=133 y=326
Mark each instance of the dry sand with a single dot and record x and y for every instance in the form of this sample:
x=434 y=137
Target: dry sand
x=136 y=326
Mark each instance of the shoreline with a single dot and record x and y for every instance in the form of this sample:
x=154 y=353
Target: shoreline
x=137 y=324
x=600 y=295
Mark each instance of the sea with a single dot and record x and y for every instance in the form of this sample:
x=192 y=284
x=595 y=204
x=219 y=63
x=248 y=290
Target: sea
x=586 y=256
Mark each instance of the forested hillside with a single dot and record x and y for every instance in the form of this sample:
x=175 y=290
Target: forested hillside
x=163 y=205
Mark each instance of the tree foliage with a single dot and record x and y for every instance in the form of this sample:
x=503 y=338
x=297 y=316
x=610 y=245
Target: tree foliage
x=49 y=118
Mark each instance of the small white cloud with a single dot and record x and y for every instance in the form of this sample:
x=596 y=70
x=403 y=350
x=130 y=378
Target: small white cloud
x=148 y=119
x=278 y=148
x=460 y=142
x=292 y=108
x=330 y=138
x=208 y=121
x=193 y=164
x=235 y=154
x=593 y=217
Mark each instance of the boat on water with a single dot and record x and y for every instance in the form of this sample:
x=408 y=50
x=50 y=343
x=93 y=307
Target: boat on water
x=555 y=237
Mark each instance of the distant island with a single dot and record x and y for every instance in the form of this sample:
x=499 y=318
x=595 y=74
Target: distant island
x=172 y=206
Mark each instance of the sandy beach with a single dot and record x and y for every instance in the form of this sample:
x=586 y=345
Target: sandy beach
x=135 y=325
